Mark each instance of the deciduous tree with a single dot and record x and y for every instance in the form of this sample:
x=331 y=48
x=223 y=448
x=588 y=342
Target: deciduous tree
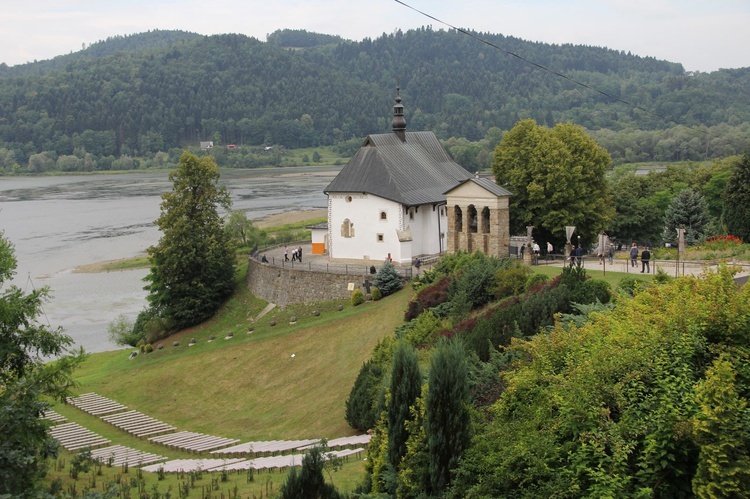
x=28 y=381
x=557 y=179
x=192 y=266
x=736 y=216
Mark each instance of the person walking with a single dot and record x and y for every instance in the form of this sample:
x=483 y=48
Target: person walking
x=645 y=258
x=286 y=253
x=633 y=255
x=611 y=254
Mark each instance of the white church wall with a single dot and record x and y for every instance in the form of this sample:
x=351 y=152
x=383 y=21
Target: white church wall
x=374 y=221
x=426 y=224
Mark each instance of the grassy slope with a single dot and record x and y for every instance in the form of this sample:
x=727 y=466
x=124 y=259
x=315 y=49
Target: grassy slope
x=249 y=386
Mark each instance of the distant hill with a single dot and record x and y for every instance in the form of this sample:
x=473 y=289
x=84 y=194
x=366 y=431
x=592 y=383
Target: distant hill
x=163 y=90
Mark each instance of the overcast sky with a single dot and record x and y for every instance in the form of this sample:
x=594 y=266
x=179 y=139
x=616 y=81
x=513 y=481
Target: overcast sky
x=703 y=35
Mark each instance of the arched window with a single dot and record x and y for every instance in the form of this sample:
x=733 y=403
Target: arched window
x=383 y=216
x=347 y=228
x=472 y=213
x=486 y=220
x=458 y=218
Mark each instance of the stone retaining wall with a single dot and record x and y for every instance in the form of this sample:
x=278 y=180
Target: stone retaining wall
x=284 y=285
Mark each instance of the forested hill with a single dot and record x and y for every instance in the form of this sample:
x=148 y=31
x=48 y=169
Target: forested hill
x=158 y=91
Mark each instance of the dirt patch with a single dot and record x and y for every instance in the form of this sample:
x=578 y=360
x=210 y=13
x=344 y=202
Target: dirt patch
x=290 y=217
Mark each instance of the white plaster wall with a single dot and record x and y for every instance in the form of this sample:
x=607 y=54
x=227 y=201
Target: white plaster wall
x=364 y=212
x=425 y=228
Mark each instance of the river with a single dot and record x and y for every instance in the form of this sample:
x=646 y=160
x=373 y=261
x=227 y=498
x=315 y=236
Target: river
x=59 y=223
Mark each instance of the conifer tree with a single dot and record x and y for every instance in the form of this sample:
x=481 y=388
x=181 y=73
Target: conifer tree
x=387 y=280
x=736 y=215
x=688 y=210
x=447 y=414
x=406 y=385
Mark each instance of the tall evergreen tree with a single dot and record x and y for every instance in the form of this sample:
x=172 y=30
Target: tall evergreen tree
x=736 y=216
x=406 y=385
x=192 y=266
x=688 y=210
x=27 y=382
x=447 y=413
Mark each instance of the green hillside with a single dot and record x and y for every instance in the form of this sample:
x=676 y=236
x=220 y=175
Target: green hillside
x=162 y=91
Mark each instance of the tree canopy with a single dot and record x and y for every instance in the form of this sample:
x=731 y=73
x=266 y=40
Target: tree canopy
x=28 y=381
x=192 y=266
x=736 y=214
x=556 y=177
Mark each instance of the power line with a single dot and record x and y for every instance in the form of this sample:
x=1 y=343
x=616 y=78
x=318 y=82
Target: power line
x=545 y=68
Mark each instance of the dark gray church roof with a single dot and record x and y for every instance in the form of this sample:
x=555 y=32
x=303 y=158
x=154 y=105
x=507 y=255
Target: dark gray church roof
x=487 y=184
x=413 y=171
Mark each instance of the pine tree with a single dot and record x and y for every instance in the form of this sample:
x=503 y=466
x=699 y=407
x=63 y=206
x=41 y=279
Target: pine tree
x=688 y=210
x=736 y=215
x=387 y=280
x=447 y=414
x=192 y=266
x=406 y=385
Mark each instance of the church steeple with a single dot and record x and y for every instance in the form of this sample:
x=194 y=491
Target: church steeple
x=399 y=122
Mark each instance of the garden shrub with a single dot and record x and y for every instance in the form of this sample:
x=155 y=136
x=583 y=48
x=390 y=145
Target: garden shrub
x=476 y=280
x=511 y=281
x=595 y=289
x=535 y=280
x=358 y=297
x=376 y=294
x=421 y=330
x=428 y=297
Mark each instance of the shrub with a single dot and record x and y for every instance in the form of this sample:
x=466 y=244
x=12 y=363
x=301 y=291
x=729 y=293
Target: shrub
x=428 y=297
x=630 y=285
x=387 y=280
x=511 y=281
x=476 y=279
x=420 y=331
x=376 y=294
x=595 y=289
x=358 y=297
x=121 y=331
x=535 y=280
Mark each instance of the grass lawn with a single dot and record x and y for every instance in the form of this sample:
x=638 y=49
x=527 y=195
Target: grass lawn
x=612 y=277
x=244 y=378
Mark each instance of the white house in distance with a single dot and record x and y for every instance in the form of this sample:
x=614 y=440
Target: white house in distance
x=389 y=202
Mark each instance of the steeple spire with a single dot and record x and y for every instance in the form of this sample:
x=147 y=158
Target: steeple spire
x=399 y=122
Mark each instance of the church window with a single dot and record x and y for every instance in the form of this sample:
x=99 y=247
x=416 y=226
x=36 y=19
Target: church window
x=347 y=228
x=380 y=238
x=383 y=216
x=348 y=199
x=486 y=220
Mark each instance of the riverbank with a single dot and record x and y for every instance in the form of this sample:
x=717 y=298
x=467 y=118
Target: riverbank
x=141 y=261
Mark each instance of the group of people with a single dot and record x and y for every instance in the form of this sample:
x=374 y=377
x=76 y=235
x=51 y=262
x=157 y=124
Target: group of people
x=576 y=254
x=296 y=254
x=645 y=258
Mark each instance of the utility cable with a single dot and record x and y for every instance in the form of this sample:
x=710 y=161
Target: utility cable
x=545 y=68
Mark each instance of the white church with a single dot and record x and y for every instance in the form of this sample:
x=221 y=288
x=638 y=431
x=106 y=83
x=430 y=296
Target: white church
x=401 y=196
